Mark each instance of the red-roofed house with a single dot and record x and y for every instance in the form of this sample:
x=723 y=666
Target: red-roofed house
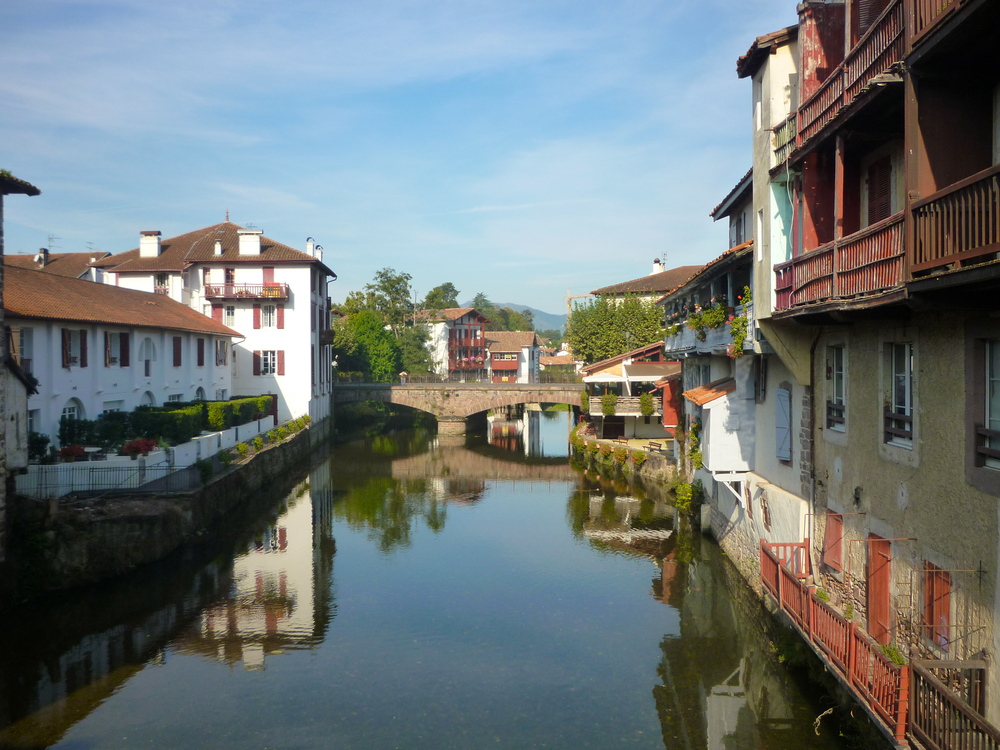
x=457 y=342
x=273 y=294
x=513 y=356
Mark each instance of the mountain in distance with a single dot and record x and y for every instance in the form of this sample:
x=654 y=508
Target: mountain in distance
x=543 y=321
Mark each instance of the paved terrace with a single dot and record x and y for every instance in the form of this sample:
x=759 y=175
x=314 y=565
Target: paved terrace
x=452 y=403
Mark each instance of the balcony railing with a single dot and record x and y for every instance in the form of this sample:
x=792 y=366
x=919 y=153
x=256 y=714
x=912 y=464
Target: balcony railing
x=161 y=289
x=466 y=364
x=627 y=406
x=274 y=290
x=876 y=51
x=854 y=656
x=958 y=223
x=716 y=339
x=864 y=263
x=784 y=138
x=929 y=13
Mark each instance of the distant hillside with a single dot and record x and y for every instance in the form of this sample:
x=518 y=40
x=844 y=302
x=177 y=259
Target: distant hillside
x=543 y=321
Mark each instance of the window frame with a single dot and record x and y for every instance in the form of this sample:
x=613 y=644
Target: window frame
x=836 y=402
x=898 y=427
x=935 y=622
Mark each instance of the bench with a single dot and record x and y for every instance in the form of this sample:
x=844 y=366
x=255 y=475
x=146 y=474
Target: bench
x=655 y=446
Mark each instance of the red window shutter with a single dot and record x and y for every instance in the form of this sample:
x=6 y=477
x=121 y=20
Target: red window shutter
x=201 y=352
x=107 y=349
x=83 y=347
x=256 y=316
x=880 y=190
x=281 y=316
x=217 y=313
x=937 y=604
x=177 y=351
x=268 y=274
x=833 y=542
x=65 y=347
x=123 y=350
x=256 y=363
x=281 y=361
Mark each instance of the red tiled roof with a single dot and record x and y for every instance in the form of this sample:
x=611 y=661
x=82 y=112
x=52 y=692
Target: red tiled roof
x=449 y=313
x=762 y=46
x=703 y=394
x=557 y=361
x=176 y=253
x=509 y=341
x=71 y=265
x=645 y=351
x=34 y=294
x=655 y=282
x=733 y=252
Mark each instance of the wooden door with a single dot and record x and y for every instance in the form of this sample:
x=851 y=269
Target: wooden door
x=879 y=580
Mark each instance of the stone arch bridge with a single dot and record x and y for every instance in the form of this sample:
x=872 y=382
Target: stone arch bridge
x=452 y=403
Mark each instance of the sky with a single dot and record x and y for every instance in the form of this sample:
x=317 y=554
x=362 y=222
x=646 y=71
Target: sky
x=520 y=148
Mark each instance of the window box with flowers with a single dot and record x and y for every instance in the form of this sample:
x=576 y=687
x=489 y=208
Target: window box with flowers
x=739 y=325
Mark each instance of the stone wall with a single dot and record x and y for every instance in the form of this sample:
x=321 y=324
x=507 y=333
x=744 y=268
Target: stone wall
x=62 y=546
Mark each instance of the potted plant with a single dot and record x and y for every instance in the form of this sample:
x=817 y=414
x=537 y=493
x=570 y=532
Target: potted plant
x=71 y=452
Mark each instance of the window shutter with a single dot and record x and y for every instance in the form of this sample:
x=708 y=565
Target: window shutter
x=281 y=316
x=281 y=361
x=937 y=604
x=123 y=353
x=107 y=349
x=833 y=541
x=880 y=190
x=783 y=424
x=256 y=316
x=256 y=363
x=177 y=351
x=83 y=347
x=217 y=313
x=268 y=274
x=201 y=352
x=65 y=347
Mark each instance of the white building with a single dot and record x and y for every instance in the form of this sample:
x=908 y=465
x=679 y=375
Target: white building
x=513 y=356
x=95 y=348
x=273 y=294
x=457 y=342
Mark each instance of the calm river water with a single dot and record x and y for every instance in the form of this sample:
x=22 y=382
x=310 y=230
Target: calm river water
x=411 y=594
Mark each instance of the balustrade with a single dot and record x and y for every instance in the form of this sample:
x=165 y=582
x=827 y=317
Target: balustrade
x=249 y=291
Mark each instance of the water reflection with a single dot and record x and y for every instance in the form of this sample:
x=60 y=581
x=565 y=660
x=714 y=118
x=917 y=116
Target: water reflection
x=533 y=433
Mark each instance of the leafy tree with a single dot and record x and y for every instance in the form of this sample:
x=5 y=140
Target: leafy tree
x=441 y=297
x=554 y=336
x=607 y=327
x=368 y=347
x=413 y=348
x=388 y=295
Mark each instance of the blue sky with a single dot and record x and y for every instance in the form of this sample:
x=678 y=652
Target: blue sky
x=517 y=148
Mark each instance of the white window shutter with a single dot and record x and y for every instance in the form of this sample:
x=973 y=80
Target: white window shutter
x=783 y=424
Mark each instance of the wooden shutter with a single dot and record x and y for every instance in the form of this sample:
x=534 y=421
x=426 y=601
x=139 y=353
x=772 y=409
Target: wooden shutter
x=880 y=190
x=937 y=604
x=107 y=349
x=879 y=581
x=281 y=316
x=83 y=347
x=201 y=352
x=256 y=316
x=123 y=350
x=868 y=12
x=66 y=347
x=177 y=351
x=833 y=541
x=783 y=424
x=256 y=363
x=268 y=274
x=281 y=361
x=217 y=313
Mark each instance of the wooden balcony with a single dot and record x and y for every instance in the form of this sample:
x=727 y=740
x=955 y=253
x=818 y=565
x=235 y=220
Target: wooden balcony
x=958 y=224
x=881 y=46
x=866 y=263
x=246 y=291
x=783 y=138
x=927 y=14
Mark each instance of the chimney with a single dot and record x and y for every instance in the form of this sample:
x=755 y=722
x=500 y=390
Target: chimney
x=42 y=259
x=658 y=266
x=218 y=247
x=250 y=241
x=310 y=247
x=149 y=244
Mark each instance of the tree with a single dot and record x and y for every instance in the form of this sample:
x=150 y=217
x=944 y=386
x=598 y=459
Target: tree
x=413 y=348
x=441 y=297
x=374 y=352
x=607 y=327
x=389 y=295
x=503 y=318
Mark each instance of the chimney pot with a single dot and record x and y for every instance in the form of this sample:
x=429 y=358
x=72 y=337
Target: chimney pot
x=218 y=247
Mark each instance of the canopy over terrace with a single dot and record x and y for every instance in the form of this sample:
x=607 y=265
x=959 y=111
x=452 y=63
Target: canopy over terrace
x=633 y=372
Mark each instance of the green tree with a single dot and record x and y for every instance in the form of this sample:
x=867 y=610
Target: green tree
x=441 y=297
x=607 y=327
x=413 y=349
x=388 y=295
x=503 y=318
x=376 y=350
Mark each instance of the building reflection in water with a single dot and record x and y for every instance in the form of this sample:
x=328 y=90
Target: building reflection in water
x=82 y=647
x=721 y=686
x=526 y=430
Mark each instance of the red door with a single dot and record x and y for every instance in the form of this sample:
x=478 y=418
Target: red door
x=879 y=578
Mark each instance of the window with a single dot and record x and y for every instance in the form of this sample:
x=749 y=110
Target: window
x=21 y=344
x=74 y=348
x=161 y=283
x=229 y=315
x=989 y=447
x=147 y=355
x=937 y=605
x=269 y=362
x=201 y=352
x=230 y=276
x=112 y=348
x=268 y=316
x=174 y=397
x=836 y=404
x=221 y=352
x=899 y=414
x=833 y=541
x=783 y=424
x=34 y=419
x=71 y=410
x=110 y=406
x=221 y=394
x=178 y=349
x=879 y=190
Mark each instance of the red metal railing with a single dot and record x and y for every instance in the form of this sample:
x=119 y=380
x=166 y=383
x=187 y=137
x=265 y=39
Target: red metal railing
x=251 y=291
x=880 y=46
x=958 y=223
x=865 y=262
x=929 y=13
x=873 y=677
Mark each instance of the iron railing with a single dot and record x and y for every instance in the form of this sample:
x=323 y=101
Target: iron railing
x=73 y=479
x=269 y=290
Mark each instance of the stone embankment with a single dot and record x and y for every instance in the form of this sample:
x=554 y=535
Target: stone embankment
x=59 y=544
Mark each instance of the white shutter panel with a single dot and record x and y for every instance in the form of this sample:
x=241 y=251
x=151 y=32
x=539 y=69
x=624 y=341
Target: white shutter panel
x=783 y=424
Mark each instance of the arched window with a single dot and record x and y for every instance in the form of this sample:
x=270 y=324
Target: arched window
x=147 y=399
x=73 y=409
x=199 y=395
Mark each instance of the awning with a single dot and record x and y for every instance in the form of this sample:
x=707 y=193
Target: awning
x=704 y=394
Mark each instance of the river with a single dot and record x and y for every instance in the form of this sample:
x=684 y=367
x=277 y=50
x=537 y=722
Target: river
x=405 y=593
